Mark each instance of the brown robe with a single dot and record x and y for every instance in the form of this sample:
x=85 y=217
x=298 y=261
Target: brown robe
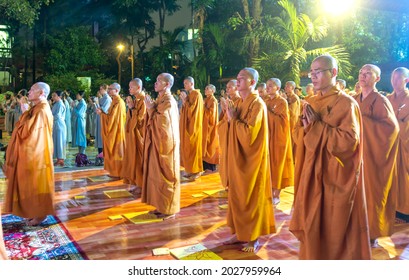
x=161 y=158
x=113 y=130
x=329 y=217
x=380 y=151
x=210 y=136
x=250 y=212
x=401 y=108
x=280 y=148
x=134 y=131
x=191 y=121
x=29 y=164
x=223 y=141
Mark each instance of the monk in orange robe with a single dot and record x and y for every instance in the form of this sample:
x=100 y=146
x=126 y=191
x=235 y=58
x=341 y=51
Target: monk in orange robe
x=400 y=103
x=134 y=131
x=280 y=148
x=161 y=158
x=380 y=151
x=3 y=253
x=113 y=132
x=309 y=89
x=329 y=217
x=294 y=104
x=250 y=213
x=191 y=121
x=210 y=135
x=234 y=96
x=29 y=165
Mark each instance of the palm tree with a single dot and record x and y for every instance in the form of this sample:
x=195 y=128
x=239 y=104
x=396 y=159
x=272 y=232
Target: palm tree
x=290 y=38
x=199 y=14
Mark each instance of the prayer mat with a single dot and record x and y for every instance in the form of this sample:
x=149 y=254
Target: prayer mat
x=142 y=217
x=118 y=193
x=194 y=252
x=100 y=178
x=48 y=241
x=212 y=192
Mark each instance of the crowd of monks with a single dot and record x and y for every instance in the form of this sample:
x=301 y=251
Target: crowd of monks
x=346 y=154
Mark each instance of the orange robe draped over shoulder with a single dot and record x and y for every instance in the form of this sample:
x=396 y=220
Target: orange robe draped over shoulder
x=380 y=150
x=134 y=131
x=113 y=130
x=250 y=212
x=191 y=121
x=294 y=106
x=29 y=164
x=210 y=137
x=161 y=158
x=400 y=106
x=223 y=142
x=329 y=217
x=280 y=147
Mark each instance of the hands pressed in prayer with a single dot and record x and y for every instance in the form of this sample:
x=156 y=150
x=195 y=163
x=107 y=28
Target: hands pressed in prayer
x=231 y=110
x=149 y=102
x=183 y=96
x=309 y=115
x=129 y=102
x=98 y=111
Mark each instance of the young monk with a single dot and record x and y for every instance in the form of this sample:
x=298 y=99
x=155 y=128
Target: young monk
x=250 y=212
x=281 y=154
x=113 y=131
x=134 y=131
x=329 y=217
x=210 y=135
x=380 y=134
x=400 y=104
x=161 y=158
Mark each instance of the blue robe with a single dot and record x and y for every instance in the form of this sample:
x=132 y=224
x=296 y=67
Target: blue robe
x=68 y=120
x=79 y=138
x=104 y=103
x=59 y=129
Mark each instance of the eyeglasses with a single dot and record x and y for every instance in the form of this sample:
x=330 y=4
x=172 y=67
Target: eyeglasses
x=315 y=73
x=110 y=89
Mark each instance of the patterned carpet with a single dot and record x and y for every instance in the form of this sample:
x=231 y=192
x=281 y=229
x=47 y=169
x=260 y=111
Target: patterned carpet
x=48 y=241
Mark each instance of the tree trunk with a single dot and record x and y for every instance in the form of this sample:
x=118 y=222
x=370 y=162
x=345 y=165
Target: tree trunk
x=255 y=14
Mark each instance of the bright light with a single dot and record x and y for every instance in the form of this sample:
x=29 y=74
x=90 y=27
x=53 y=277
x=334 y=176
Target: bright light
x=120 y=47
x=338 y=8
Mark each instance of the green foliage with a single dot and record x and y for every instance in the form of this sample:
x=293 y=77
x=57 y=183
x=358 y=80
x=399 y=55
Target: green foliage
x=74 y=50
x=23 y=11
x=63 y=81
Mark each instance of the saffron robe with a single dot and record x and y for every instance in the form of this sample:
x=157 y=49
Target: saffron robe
x=294 y=105
x=210 y=135
x=191 y=121
x=280 y=147
x=134 y=131
x=59 y=130
x=380 y=151
x=400 y=106
x=161 y=158
x=223 y=142
x=329 y=217
x=103 y=103
x=250 y=213
x=113 y=131
x=29 y=164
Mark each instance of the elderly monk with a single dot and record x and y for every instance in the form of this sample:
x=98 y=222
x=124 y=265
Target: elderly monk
x=380 y=151
x=329 y=217
x=113 y=132
x=29 y=165
x=161 y=158
x=400 y=103
x=233 y=95
x=191 y=121
x=134 y=131
x=250 y=212
x=280 y=148
x=210 y=135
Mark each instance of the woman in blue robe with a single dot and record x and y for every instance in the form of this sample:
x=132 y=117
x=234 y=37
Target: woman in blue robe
x=79 y=137
x=59 y=128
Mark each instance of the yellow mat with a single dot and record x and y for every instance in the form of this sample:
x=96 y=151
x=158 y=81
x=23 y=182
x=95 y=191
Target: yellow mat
x=142 y=217
x=117 y=193
x=198 y=195
x=100 y=178
x=212 y=192
x=194 y=252
x=223 y=206
x=115 y=217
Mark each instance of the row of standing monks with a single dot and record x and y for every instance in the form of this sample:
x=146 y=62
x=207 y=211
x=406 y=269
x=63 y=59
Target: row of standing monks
x=350 y=154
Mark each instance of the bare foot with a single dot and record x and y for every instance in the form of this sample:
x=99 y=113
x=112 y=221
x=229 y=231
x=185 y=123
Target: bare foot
x=233 y=241
x=35 y=221
x=251 y=247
